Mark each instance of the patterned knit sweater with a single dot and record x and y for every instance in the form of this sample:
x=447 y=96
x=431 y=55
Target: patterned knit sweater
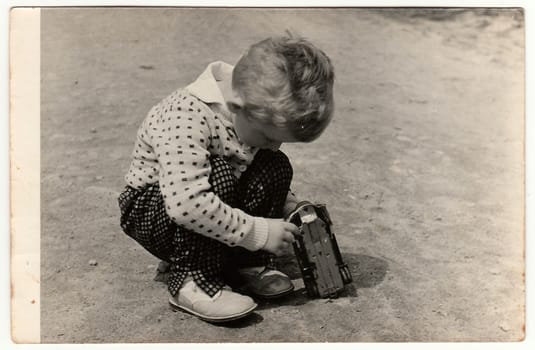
x=173 y=147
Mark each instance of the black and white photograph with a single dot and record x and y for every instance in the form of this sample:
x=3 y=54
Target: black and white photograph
x=279 y=175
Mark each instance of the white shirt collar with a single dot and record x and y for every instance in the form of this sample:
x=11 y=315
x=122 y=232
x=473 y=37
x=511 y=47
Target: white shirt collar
x=206 y=88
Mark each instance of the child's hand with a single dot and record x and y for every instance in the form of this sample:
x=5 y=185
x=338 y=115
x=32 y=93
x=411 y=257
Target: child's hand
x=280 y=236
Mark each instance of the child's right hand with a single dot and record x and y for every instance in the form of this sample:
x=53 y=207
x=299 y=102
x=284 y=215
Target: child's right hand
x=280 y=236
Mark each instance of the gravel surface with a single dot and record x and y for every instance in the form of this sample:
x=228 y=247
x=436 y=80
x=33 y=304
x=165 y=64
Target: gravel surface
x=421 y=170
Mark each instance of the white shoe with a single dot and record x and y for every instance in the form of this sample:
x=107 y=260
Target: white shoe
x=224 y=306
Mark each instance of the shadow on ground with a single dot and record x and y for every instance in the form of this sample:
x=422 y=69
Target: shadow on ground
x=367 y=272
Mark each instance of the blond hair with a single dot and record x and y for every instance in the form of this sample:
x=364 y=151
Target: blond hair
x=287 y=82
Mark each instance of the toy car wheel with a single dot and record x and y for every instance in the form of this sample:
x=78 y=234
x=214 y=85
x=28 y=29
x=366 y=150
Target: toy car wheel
x=346 y=275
x=313 y=291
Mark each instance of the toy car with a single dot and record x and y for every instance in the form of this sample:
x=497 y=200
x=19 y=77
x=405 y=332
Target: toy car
x=323 y=270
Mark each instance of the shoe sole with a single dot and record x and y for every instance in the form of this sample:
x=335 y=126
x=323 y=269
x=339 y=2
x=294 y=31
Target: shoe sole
x=245 y=290
x=278 y=295
x=212 y=319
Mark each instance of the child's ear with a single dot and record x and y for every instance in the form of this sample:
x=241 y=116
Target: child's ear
x=234 y=102
x=233 y=107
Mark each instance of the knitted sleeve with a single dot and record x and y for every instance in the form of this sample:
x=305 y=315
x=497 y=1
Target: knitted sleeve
x=181 y=138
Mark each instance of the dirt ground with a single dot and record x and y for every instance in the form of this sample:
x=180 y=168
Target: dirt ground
x=421 y=170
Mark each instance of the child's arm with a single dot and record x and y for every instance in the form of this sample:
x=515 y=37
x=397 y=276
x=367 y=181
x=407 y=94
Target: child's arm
x=181 y=138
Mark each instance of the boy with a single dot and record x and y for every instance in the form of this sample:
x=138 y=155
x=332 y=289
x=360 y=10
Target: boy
x=208 y=187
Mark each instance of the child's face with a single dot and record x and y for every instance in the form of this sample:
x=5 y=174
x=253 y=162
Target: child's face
x=261 y=135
